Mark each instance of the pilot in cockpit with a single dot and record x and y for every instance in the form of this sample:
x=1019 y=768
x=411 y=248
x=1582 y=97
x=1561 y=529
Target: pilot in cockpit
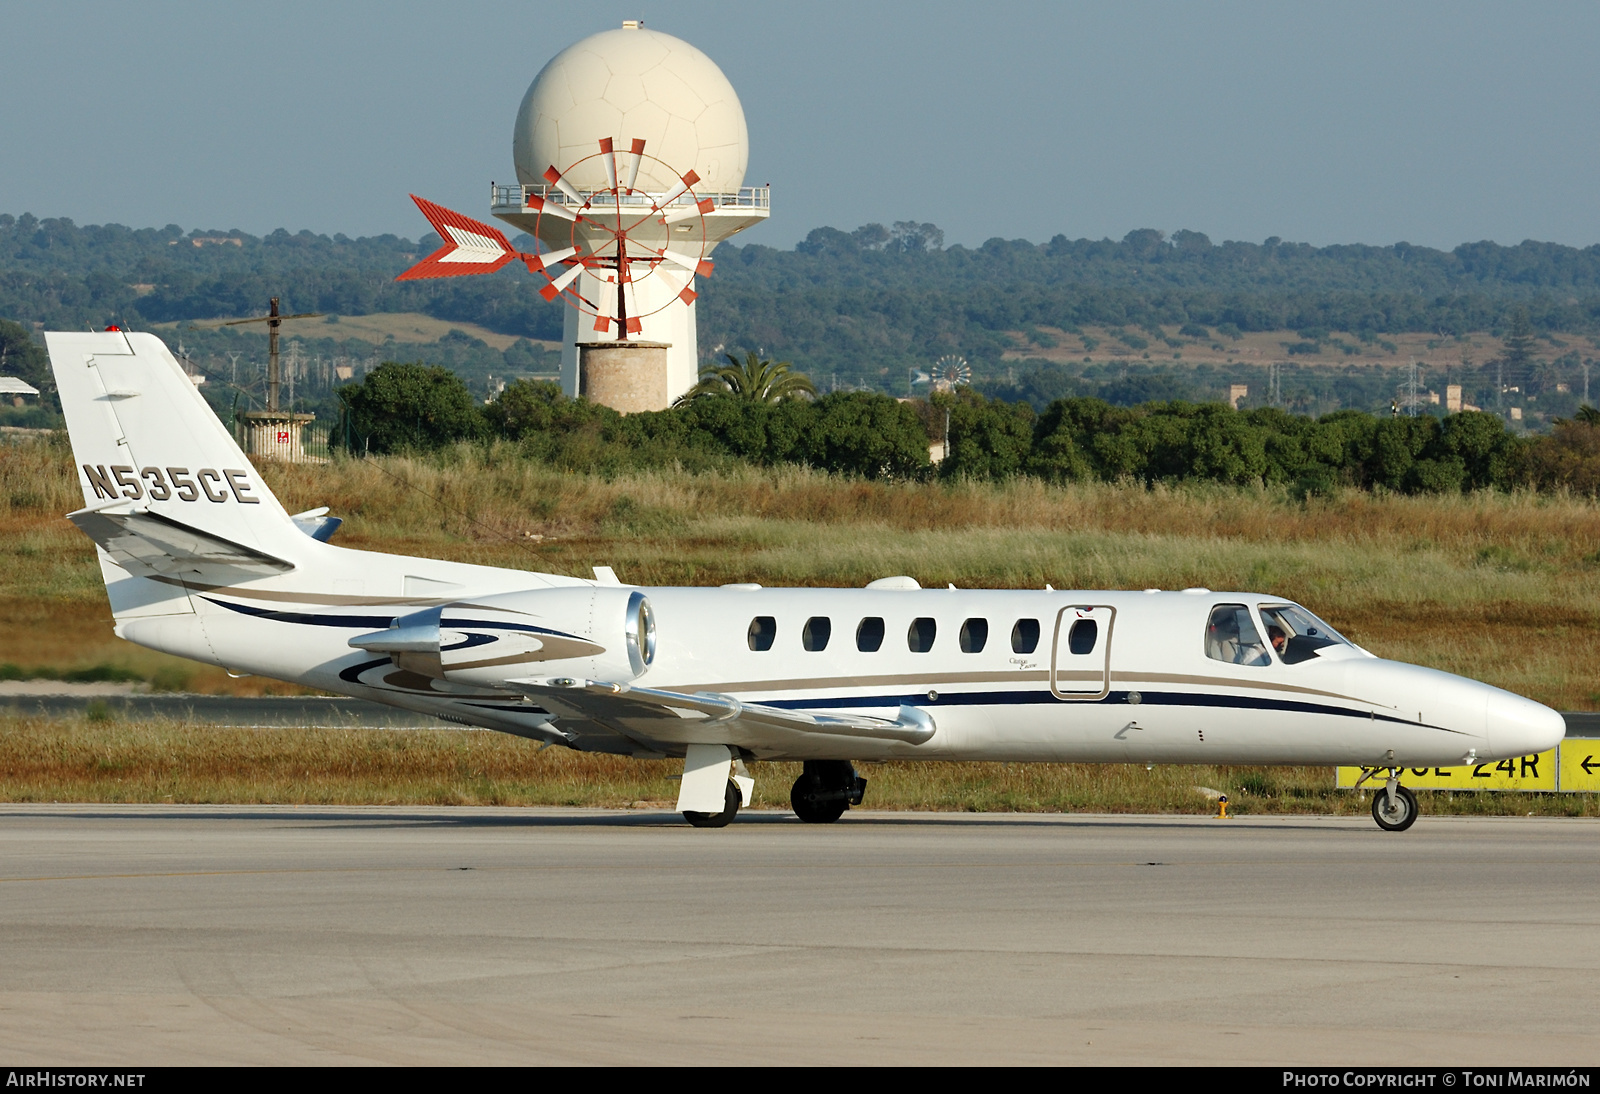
x=1278 y=639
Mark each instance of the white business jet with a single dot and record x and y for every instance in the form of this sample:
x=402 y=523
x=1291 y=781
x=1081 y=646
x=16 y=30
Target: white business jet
x=200 y=560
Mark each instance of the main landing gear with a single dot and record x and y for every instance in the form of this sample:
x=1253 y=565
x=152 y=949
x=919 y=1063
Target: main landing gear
x=825 y=789
x=1394 y=807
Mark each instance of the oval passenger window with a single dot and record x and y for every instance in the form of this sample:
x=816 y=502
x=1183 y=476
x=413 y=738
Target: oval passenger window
x=817 y=631
x=763 y=629
x=869 y=635
x=1080 y=639
x=919 y=636
x=1025 y=636
x=974 y=635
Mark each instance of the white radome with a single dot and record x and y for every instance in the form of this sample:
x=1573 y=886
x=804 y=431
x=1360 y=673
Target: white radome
x=626 y=84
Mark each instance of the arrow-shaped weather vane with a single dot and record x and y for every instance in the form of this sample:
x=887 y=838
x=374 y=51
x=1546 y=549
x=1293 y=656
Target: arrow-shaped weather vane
x=638 y=240
x=473 y=247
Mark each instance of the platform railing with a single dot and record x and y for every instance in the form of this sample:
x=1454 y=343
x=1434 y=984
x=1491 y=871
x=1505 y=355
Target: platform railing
x=516 y=197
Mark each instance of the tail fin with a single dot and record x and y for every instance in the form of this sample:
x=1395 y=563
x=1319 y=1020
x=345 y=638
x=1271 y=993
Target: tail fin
x=165 y=487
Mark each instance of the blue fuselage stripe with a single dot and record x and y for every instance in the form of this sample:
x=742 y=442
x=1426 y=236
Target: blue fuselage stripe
x=1045 y=698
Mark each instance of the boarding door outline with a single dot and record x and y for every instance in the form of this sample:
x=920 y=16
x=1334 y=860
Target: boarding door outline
x=1086 y=675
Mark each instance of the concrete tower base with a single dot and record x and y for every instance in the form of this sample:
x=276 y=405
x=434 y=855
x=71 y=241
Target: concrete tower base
x=274 y=435
x=625 y=376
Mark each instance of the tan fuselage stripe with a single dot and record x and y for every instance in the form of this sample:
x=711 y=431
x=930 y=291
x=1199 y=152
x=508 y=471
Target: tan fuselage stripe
x=312 y=599
x=929 y=679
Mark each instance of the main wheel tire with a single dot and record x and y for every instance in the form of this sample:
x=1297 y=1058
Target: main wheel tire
x=730 y=809
x=1398 y=817
x=808 y=808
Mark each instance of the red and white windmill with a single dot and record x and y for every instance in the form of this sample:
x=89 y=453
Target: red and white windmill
x=642 y=250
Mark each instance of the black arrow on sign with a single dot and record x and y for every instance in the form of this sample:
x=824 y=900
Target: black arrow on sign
x=1588 y=765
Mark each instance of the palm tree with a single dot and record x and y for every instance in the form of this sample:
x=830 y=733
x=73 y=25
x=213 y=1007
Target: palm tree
x=756 y=379
x=1588 y=415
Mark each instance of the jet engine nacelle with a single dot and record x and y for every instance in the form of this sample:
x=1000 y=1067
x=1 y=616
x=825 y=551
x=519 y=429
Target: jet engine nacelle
x=597 y=633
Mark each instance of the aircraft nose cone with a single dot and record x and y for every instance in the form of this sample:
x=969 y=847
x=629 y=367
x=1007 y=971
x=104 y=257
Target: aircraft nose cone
x=1519 y=726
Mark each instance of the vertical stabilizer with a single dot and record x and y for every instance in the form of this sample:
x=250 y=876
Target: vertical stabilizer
x=149 y=452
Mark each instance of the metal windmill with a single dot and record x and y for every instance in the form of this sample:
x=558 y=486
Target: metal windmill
x=951 y=371
x=273 y=320
x=273 y=433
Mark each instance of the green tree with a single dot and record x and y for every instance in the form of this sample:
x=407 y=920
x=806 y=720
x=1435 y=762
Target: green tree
x=21 y=357
x=756 y=379
x=989 y=439
x=862 y=433
x=1515 y=364
x=407 y=406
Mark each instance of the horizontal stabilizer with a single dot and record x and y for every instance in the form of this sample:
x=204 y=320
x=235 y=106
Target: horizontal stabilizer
x=606 y=702
x=143 y=543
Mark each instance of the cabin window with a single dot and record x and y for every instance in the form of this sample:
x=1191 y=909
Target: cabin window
x=1231 y=636
x=1082 y=636
x=1295 y=634
x=763 y=629
x=919 y=636
x=816 y=633
x=1025 y=636
x=974 y=635
x=869 y=635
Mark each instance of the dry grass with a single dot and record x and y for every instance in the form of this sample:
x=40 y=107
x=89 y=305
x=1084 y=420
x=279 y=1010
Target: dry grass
x=86 y=761
x=379 y=328
x=1501 y=588
x=1442 y=356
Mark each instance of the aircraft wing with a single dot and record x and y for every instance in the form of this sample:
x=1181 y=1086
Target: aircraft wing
x=707 y=717
x=145 y=543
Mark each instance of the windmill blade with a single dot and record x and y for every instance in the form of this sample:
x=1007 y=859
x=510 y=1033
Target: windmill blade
x=687 y=212
x=553 y=177
x=608 y=159
x=701 y=267
x=680 y=290
x=548 y=259
x=605 y=306
x=555 y=209
x=559 y=285
x=266 y=319
x=677 y=191
x=470 y=246
x=634 y=324
x=634 y=158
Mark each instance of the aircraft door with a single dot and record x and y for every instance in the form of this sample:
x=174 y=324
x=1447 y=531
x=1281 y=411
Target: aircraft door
x=1080 y=652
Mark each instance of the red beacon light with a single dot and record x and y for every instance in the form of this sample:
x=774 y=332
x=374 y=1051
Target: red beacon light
x=114 y=327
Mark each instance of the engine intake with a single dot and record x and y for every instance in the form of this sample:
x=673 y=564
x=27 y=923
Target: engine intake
x=591 y=632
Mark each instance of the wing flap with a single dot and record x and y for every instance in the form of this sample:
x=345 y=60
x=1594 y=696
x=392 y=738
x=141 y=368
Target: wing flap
x=677 y=714
x=144 y=543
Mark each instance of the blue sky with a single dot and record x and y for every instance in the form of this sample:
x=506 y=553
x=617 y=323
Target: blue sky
x=1336 y=123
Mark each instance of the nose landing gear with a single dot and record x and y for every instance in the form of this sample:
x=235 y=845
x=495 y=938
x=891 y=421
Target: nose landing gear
x=731 y=800
x=1394 y=807
x=825 y=789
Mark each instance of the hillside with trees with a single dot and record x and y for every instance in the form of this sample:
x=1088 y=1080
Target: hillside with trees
x=871 y=307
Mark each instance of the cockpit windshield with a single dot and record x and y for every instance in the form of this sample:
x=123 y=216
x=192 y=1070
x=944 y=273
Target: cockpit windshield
x=1295 y=634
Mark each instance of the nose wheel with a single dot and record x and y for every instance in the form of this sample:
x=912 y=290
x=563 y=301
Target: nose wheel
x=1394 y=808
x=731 y=800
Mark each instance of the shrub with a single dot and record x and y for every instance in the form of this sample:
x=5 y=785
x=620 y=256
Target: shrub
x=399 y=407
